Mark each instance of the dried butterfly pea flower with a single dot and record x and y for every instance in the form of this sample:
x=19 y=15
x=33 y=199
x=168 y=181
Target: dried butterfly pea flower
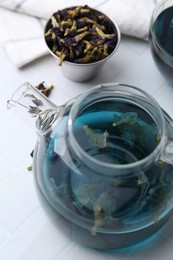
x=61 y=55
x=80 y=35
x=49 y=32
x=47 y=90
x=40 y=86
x=67 y=23
x=78 y=10
x=88 y=46
x=34 y=110
x=29 y=168
x=54 y=22
x=102 y=34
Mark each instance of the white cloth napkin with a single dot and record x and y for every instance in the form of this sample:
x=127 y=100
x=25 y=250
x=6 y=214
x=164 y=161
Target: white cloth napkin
x=22 y=22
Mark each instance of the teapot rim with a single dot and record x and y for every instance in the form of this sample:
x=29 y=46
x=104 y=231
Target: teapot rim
x=115 y=169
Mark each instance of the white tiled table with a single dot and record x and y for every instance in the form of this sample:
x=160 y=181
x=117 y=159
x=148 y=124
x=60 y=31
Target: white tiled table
x=25 y=230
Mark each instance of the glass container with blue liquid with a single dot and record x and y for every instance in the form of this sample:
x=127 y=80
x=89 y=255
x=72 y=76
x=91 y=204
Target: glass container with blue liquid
x=161 y=38
x=103 y=163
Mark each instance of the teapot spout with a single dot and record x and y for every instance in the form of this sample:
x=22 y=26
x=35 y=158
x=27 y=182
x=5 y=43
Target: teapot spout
x=30 y=98
x=35 y=106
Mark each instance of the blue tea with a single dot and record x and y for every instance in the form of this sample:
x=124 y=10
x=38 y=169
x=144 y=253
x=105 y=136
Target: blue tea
x=163 y=34
x=163 y=27
x=100 y=206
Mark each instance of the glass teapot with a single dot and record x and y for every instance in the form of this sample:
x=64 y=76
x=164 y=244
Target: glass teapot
x=103 y=163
